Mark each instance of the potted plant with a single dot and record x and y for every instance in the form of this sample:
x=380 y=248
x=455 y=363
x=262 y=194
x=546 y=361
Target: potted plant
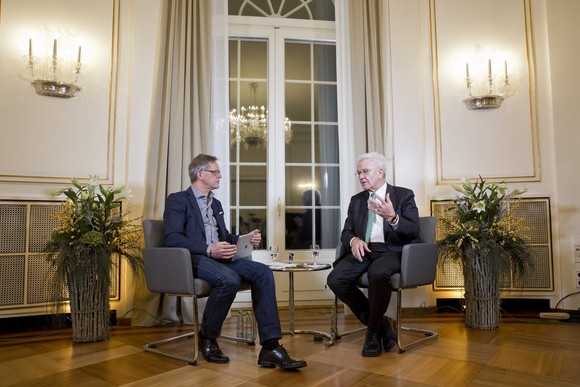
x=487 y=240
x=93 y=234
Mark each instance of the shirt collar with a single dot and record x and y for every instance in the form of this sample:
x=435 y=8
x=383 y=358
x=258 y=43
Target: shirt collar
x=197 y=193
x=382 y=192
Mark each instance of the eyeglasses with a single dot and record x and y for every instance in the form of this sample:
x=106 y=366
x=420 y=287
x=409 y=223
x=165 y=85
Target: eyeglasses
x=215 y=172
x=364 y=172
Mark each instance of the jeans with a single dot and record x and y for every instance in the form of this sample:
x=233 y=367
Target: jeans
x=380 y=265
x=225 y=278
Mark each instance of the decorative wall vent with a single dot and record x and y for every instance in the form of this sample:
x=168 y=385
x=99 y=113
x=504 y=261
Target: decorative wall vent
x=536 y=215
x=25 y=275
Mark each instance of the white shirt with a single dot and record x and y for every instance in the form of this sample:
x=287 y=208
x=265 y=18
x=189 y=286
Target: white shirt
x=377 y=233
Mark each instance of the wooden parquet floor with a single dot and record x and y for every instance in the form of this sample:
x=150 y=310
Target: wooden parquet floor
x=536 y=353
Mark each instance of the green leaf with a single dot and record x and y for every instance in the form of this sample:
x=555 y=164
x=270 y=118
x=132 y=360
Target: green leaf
x=439 y=198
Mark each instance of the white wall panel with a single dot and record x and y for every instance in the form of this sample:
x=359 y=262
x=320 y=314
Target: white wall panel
x=499 y=144
x=48 y=139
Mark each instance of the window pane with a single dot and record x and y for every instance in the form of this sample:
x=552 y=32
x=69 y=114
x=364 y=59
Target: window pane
x=325 y=62
x=297 y=64
x=252 y=219
x=330 y=232
x=253 y=186
x=300 y=226
x=254 y=59
x=234 y=185
x=328 y=182
x=293 y=9
x=233 y=58
x=298 y=101
x=317 y=10
x=325 y=103
x=326 y=144
x=297 y=180
x=233 y=123
x=298 y=150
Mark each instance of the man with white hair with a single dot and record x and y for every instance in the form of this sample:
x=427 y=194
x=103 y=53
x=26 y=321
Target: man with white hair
x=381 y=220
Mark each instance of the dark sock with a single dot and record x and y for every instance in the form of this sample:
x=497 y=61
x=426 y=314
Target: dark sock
x=270 y=344
x=202 y=336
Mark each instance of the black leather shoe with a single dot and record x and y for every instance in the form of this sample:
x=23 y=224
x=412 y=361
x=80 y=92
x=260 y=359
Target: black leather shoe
x=388 y=335
x=278 y=357
x=372 y=346
x=211 y=351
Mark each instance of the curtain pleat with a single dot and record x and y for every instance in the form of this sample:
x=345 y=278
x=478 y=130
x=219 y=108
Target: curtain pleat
x=180 y=127
x=368 y=24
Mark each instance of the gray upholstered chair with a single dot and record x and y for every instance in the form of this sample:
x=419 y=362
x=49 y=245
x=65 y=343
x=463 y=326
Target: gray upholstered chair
x=418 y=268
x=168 y=270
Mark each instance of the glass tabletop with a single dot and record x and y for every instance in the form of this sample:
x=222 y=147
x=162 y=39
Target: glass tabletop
x=292 y=267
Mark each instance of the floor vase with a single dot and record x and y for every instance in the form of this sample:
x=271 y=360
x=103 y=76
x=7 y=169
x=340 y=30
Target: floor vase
x=89 y=305
x=482 y=296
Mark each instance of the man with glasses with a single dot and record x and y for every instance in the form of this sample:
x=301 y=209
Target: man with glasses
x=194 y=219
x=380 y=221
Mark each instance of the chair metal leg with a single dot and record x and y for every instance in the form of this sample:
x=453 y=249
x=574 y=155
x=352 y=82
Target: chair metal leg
x=151 y=347
x=334 y=334
x=431 y=335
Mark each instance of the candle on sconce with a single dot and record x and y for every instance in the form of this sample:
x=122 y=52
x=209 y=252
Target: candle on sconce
x=54 y=50
x=489 y=67
x=29 y=47
x=506 y=73
x=467 y=69
x=79 y=57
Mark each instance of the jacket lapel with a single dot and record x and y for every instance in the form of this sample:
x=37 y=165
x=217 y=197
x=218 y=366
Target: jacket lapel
x=364 y=211
x=196 y=210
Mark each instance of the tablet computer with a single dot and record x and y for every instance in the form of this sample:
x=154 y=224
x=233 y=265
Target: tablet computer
x=245 y=247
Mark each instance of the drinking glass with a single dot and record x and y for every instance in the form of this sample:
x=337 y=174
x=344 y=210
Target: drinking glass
x=273 y=254
x=314 y=252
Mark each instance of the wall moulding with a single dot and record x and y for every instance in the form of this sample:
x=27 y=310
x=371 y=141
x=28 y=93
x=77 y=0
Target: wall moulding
x=49 y=140
x=497 y=144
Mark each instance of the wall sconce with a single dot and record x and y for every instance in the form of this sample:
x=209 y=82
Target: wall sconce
x=53 y=75
x=486 y=91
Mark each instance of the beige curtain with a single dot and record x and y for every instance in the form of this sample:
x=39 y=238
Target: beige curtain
x=180 y=127
x=368 y=23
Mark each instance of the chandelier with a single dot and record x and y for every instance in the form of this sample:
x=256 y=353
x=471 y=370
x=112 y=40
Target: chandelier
x=249 y=126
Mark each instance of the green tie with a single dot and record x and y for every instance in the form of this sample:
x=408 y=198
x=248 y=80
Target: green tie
x=370 y=221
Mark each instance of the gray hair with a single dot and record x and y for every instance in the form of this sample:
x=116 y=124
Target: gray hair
x=307 y=197
x=378 y=160
x=199 y=163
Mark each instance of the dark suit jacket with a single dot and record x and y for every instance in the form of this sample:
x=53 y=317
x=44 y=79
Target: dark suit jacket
x=183 y=223
x=404 y=204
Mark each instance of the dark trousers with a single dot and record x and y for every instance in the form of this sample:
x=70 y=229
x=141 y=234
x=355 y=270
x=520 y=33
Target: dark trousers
x=225 y=278
x=380 y=265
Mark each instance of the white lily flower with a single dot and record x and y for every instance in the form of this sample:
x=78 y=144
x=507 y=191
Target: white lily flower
x=93 y=181
x=459 y=188
x=124 y=194
x=479 y=206
x=466 y=183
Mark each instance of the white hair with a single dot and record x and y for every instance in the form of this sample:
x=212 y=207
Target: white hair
x=379 y=161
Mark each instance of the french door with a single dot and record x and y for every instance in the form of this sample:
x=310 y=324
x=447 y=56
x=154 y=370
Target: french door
x=284 y=143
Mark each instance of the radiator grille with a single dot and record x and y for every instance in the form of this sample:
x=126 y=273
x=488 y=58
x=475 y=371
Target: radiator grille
x=536 y=215
x=11 y=278
x=25 y=274
x=13 y=226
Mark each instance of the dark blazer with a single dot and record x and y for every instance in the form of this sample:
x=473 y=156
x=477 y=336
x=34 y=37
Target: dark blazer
x=183 y=223
x=404 y=204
